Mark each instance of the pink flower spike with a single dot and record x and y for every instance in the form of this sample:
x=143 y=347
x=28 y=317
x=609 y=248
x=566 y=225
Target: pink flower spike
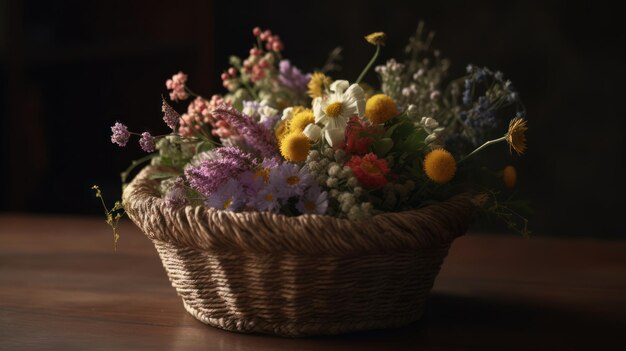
x=256 y=31
x=225 y=76
x=232 y=71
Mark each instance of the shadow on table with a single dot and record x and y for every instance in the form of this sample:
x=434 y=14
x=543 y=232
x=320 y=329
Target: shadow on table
x=450 y=323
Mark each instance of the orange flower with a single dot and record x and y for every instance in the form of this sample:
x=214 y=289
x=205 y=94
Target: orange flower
x=509 y=176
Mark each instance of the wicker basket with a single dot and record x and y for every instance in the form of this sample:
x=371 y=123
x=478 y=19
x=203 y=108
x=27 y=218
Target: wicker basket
x=298 y=276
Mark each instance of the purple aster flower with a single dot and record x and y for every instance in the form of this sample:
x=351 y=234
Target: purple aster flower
x=147 y=142
x=255 y=179
x=120 y=134
x=208 y=175
x=313 y=201
x=170 y=116
x=291 y=179
x=292 y=78
x=229 y=197
x=258 y=138
x=267 y=199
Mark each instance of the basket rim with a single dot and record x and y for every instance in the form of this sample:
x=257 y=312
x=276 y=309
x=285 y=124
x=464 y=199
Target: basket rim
x=209 y=229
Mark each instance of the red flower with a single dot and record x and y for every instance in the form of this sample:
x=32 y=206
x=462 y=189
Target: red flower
x=359 y=136
x=369 y=170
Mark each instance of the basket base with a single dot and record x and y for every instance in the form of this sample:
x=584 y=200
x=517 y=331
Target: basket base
x=301 y=329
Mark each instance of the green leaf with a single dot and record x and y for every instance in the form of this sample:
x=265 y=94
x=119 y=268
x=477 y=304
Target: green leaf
x=382 y=146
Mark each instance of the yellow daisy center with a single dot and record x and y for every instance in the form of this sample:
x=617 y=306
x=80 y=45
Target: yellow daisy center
x=334 y=110
x=269 y=197
x=293 y=180
x=263 y=173
x=227 y=203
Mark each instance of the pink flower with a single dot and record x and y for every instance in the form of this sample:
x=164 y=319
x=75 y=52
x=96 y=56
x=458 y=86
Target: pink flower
x=176 y=85
x=199 y=113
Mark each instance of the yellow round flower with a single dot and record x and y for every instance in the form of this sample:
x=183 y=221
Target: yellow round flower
x=295 y=147
x=380 y=108
x=440 y=166
x=300 y=120
x=281 y=130
x=318 y=83
x=509 y=176
x=376 y=38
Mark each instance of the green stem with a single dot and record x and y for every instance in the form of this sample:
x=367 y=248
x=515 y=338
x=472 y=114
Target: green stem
x=133 y=165
x=490 y=142
x=369 y=65
x=192 y=93
x=249 y=89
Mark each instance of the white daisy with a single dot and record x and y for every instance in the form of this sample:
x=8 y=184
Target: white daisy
x=334 y=111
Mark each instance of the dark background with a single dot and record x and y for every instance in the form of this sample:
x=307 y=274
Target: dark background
x=69 y=70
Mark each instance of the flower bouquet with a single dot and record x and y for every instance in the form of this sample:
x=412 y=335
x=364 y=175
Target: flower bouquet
x=298 y=204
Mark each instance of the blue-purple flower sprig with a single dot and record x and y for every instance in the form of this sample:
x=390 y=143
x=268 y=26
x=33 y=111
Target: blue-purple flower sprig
x=292 y=78
x=256 y=136
x=484 y=94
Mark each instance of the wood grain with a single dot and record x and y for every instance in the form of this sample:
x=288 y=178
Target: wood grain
x=63 y=287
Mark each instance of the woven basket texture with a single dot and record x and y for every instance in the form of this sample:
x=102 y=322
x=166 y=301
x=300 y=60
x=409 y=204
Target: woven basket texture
x=297 y=276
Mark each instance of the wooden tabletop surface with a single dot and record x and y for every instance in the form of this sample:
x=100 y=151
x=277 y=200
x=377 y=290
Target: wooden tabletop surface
x=62 y=287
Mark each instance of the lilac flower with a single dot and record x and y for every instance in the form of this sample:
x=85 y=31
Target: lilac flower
x=147 y=142
x=292 y=78
x=291 y=179
x=229 y=162
x=120 y=134
x=170 y=116
x=314 y=201
x=229 y=197
x=258 y=138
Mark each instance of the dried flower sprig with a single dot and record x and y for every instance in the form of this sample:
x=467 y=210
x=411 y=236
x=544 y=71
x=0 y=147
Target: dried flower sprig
x=113 y=215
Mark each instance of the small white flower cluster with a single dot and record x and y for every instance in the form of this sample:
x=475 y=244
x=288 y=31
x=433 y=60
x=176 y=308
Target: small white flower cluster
x=344 y=189
x=429 y=124
x=391 y=77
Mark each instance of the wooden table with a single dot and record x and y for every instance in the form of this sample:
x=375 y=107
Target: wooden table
x=62 y=287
